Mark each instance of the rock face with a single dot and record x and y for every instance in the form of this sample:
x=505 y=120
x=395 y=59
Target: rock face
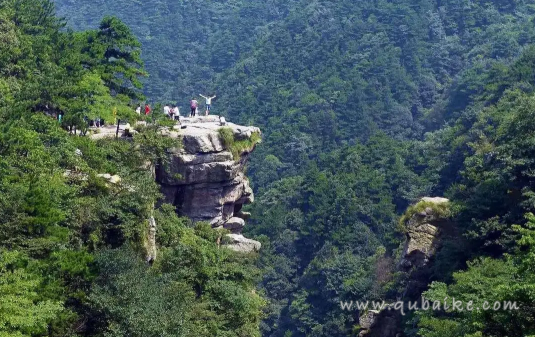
x=239 y=243
x=203 y=179
x=423 y=232
x=427 y=222
x=152 y=251
x=379 y=323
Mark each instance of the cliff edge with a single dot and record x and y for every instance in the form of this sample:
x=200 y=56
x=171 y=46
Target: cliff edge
x=204 y=178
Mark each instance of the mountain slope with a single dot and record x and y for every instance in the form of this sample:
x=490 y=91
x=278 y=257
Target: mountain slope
x=344 y=92
x=72 y=243
x=185 y=43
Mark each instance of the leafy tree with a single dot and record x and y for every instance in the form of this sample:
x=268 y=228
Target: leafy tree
x=129 y=299
x=492 y=281
x=23 y=311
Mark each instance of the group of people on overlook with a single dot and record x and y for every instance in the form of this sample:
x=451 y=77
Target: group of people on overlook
x=173 y=111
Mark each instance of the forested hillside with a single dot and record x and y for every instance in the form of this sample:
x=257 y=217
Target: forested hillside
x=365 y=107
x=185 y=43
x=345 y=92
x=72 y=245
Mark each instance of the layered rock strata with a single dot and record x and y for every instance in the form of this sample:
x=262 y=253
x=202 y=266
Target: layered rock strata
x=204 y=180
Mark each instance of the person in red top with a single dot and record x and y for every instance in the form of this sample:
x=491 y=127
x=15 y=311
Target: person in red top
x=193 y=104
x=147 y=109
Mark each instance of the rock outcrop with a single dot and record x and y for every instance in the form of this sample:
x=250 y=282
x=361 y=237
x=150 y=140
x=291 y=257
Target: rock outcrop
x=111 y=131
x=381 y=323
x=204 y=177
x=425 y=224
x=239 y=243
x=151 y=249
x=423 y=232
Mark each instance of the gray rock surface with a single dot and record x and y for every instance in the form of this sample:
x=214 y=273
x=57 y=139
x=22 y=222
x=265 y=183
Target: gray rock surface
x=151 y=248
x=425 y=231
x=234 y=224
x=204 y=181
x=239 y=243
x=382 y=323
x=435 y=200
x=110 y=131
x=115 y=179
x=367 y=320
x=422 y=237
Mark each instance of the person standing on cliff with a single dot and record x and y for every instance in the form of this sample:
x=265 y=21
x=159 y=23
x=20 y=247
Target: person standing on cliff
x=193 y=104
x=208 y=103
x=167 y=110
x=175 y=113
x=147 y=109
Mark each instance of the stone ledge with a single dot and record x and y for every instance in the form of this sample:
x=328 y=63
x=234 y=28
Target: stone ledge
x=241 y=244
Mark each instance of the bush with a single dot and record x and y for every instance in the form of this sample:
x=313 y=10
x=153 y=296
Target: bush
x=238 y=147
x=441 y=210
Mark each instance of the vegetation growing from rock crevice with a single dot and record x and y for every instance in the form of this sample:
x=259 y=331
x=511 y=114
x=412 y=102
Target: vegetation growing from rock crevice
x=438 y=211
x=238 y=146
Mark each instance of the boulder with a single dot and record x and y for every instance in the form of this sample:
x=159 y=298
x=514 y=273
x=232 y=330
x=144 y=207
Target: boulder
x=243 y=215
x=367 y=320
x=234 y=224
x=435 y=200
x=115 y=179
x=239 y=243
x=384 y=323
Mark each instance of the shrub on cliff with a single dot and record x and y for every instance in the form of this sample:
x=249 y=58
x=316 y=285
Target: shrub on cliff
x=235 y=146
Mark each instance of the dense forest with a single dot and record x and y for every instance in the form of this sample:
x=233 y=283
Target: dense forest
x=365 y=107
x=71 y=244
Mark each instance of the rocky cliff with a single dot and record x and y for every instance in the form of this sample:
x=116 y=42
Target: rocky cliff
x=204 y=177
x=425 y=224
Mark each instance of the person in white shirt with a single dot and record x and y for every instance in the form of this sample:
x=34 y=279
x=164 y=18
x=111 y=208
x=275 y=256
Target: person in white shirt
x=208 y=103
x=166 y=110
x=138 y=110
x=175 y=112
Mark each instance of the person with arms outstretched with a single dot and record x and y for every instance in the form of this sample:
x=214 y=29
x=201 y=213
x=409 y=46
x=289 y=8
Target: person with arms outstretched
x=208 y=103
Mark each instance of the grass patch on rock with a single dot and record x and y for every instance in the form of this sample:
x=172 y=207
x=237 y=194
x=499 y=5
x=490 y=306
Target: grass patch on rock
x=237 y=147
x=440 y=210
